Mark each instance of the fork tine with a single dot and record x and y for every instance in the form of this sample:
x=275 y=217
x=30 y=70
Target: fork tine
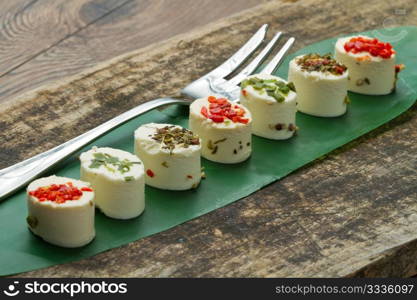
x=277 y=59
x=256 y=62
x=239 y=57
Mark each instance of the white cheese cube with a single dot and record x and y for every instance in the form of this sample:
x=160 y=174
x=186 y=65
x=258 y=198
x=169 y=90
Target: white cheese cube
x=171 y=155
x=370 y=75
x=66 y=223
x=271 y=118
x=118 y=180
x=321 y=94
x=224 y=141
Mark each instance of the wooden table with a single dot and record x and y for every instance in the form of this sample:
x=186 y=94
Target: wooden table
x=351 y=213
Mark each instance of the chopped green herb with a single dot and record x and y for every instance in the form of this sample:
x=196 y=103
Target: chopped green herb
x=210 y=145
x=347 y=100
x=110 y=168
x=276 y=89
x=220 y=141
x=291 y=86
x=111 y=162
x=215 y=150
x=129 y=178
x=32 y=221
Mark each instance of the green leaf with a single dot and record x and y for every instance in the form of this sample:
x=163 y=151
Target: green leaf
x=270 y=161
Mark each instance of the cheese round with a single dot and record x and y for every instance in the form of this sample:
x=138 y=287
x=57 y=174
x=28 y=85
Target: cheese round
x=118 y=180
x=66 y=224
x=321 y=94
x=272 y=118
x=370 y=75
x=226 y=141
x=171 y=155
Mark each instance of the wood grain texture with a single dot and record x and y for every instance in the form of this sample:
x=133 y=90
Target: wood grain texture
x=29 y=28
x=36 y=48
x=351 y=213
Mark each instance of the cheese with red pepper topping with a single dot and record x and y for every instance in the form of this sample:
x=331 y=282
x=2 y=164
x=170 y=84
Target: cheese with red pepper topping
x=272 y=119
x=171 y=155
x=61 y=211
x=371 y=64
x=319 y=93
x=118 y=180
x=227 y=140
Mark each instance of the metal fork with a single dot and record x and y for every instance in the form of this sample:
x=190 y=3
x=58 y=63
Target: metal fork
x=213 y=83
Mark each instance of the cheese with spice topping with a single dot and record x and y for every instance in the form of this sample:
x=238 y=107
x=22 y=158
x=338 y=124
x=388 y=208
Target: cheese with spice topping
x=224 y=128
x=171 y=155
x=321 y=85
x=118 y=180
x=58 y=217
x=272 y=104
x=368 y=74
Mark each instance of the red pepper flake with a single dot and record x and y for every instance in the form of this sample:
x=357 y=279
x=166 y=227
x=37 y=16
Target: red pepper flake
x=242 y=120
x=244 y=92
x=189 y=177
x=220 y=109
x=204 y=112
x=211 y=99
x=86 y=189
x=58 y=193
x=373 y=46
x=217 y=119
x=150 y=173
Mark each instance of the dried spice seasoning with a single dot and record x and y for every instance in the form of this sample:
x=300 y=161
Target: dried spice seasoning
x=291 y=127
x=279 y=126
x=172 y=136
x=314 y=62
x=363 y=81
x=398 y=69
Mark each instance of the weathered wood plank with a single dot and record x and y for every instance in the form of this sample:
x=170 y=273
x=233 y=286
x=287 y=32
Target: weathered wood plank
x=353 y=213
x=29 y=28
x=85 y=32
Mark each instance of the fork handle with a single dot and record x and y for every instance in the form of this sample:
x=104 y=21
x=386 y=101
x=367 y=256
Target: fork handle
x=14 y=177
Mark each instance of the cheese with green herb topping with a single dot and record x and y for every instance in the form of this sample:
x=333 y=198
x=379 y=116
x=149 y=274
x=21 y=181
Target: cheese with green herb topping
x=171 y=155
x=118 y=180
x=272 y=103
x=322 y=90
